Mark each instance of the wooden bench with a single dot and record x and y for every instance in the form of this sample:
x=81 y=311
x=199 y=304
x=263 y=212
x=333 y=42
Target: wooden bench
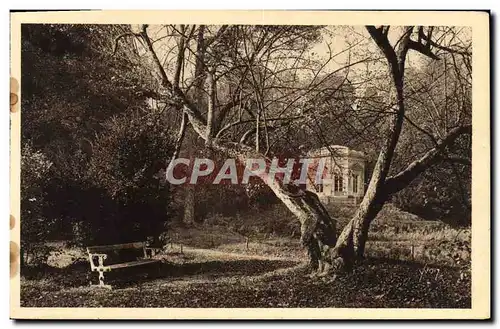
x=102 y=253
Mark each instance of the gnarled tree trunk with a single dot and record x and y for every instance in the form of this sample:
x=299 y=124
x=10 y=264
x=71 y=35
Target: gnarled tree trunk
x=318 y=233
x=317 y=228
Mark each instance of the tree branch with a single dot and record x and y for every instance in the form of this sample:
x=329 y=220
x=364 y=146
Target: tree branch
x=423 y=49
x=399 y=181
x=180 y=57
x=180 y=137
x=429 y=41
x=456 y=159
x=211 y=106
x=195 y=116
x=118 y=38
x=163 y=75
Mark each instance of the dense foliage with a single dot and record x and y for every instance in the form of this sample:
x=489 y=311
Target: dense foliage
x=92 y=142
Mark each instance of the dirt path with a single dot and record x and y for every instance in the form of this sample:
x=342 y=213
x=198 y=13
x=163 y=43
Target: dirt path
x=240 y=267
x=226 y=255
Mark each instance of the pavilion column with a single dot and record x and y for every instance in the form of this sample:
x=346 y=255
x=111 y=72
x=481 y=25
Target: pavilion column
x=346 y=181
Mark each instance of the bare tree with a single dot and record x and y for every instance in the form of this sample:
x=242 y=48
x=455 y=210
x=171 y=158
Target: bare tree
x=254 y=78
x=352 y=240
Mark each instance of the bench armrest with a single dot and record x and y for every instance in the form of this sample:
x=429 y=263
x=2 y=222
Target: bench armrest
x=100 y=257
x=152 y=250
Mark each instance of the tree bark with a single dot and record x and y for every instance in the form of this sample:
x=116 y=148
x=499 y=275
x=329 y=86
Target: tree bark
x=200 y=77
x=317 y=228
x=189 y=205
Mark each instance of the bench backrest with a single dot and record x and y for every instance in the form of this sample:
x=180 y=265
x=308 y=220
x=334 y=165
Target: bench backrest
x=119 y=253
x=112 y=247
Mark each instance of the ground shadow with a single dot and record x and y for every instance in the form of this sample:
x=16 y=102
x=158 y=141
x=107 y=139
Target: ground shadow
x=78 y=274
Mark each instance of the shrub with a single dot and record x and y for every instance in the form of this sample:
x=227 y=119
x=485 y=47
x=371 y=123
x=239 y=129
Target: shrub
x=34 y=227
x=128 y=163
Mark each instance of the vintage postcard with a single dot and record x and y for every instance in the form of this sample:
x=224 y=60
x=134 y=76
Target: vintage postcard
x=250 y=165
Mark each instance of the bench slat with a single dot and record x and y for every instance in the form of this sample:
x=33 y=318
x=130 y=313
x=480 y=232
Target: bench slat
x=134 y=263
x=132 y=245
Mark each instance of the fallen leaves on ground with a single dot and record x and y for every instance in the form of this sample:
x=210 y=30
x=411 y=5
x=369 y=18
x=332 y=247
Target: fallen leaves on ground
x=375 y=283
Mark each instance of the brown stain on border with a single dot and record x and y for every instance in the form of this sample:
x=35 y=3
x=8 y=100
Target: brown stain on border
x=14 y=248
x=14 y=98
x=14 y=259
x=14 y=85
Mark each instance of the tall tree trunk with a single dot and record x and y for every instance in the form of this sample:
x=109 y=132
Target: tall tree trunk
x=352 y=241
x=200 y=77
x=189 y=216
x=189 y=205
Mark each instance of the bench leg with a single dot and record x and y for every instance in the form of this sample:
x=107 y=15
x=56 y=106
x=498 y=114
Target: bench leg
x=101 y=280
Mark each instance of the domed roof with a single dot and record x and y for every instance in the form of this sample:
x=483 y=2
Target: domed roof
x=336 y=150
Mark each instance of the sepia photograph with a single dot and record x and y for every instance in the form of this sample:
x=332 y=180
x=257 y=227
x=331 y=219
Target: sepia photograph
x=271 y=164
